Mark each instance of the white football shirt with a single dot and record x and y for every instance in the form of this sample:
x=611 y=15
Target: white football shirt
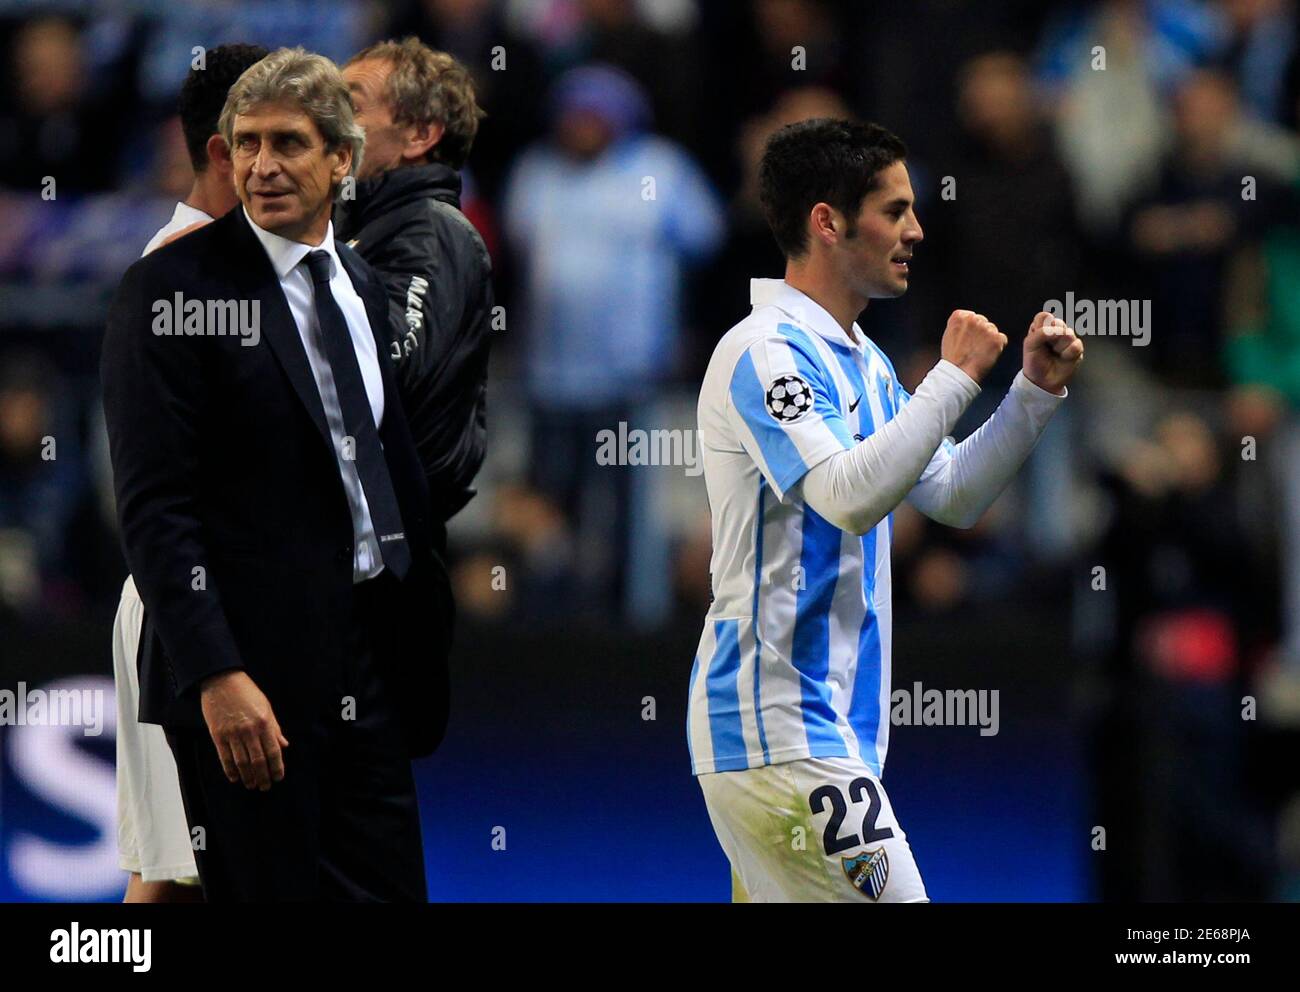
x=794 y=659
x=182 y=217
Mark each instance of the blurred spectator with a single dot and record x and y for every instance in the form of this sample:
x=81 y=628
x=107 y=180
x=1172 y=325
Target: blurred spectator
x=617 y=32
x=771 y=46
x=749 y=251
x=1004 y=239
x=59 y=125
x=42 y=480
x=605 y=218
x=1110 y=123
x=940 y=569
x=1182 y=234
x=1187 y=602
x=1261 y=42
x=525 y=570
x=335 y=30
x=506 y=68
x=1263 y=363
x=1172 y=37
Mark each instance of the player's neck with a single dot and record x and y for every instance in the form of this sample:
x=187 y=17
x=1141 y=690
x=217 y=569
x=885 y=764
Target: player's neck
x=841 y=303
x=212 y=195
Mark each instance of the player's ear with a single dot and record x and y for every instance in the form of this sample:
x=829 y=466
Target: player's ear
x=219 y=153
x=824 y=224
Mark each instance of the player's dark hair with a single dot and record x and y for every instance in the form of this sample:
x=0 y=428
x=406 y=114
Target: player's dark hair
x=821 y=160
x=203 y=94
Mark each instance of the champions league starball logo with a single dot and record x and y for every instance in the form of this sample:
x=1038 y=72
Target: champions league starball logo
x=789 y=398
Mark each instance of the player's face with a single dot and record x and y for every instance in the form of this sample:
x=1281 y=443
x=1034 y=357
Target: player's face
x=384 y=139
x=874 y=262
x=284 y=174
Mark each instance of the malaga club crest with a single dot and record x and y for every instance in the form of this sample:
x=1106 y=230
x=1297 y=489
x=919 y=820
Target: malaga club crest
x=789 y=398
x=868 y=872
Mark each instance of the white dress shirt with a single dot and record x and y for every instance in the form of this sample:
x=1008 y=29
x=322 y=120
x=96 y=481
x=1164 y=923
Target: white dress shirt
x=288 y=258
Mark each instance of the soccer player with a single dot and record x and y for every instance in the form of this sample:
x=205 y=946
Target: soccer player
x=809 y=442
x=152 y=837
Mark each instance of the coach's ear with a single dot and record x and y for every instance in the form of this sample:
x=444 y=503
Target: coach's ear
x=343 y=163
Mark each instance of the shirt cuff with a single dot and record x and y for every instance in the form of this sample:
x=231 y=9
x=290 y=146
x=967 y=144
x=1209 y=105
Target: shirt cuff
x=1033 y=393
x=956 y=376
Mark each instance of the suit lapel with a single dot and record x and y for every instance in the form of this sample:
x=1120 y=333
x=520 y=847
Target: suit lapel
x=279 y=330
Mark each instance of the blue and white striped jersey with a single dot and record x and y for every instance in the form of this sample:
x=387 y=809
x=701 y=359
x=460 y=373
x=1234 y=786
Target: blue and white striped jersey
x=794 y=658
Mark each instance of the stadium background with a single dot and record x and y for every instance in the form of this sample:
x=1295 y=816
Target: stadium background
x=1120 y=707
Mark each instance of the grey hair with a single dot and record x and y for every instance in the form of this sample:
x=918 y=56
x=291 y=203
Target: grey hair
x=311 y=81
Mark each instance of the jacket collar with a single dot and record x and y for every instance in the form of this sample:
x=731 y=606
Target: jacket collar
x=806 y=311
x=381 y=193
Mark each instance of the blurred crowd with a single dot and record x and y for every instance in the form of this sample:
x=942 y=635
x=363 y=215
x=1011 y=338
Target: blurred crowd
x=1143 y=151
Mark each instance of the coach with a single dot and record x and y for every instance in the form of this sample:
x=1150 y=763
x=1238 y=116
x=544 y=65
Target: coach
x=420 y=116
x=274 y=515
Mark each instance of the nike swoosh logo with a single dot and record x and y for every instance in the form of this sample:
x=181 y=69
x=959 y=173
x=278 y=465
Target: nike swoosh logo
x=854 y=405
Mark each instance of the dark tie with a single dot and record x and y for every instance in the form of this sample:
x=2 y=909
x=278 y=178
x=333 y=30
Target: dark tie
x=359 y=420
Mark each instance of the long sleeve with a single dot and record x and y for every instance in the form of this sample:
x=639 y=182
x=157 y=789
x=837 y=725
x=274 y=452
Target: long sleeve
x=154 y=402
x=963 y=480
x=438 y=278
x=854 y=489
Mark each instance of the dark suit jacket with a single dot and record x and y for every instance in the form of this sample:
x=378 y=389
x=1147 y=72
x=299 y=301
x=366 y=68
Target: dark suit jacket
x=233 y=514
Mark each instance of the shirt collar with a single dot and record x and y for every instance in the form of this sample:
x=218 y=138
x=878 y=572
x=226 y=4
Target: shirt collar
x=187 y=215
x=804 y=309
x=285 y=254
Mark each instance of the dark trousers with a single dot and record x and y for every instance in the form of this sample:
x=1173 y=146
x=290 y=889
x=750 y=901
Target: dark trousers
x=343 y=825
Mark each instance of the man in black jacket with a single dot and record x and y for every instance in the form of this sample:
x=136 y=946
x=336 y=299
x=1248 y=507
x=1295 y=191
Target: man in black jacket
x=420 y=116
x=274 y=516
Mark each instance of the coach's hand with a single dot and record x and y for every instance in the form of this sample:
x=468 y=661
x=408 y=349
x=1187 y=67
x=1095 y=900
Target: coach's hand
x=244 y=729
x=1052 y=353
x=972 y=342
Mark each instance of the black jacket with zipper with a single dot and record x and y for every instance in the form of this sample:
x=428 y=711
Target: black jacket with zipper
x=435 y=268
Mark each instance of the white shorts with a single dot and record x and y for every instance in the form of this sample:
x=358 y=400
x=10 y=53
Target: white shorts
x=813 y=830
x=153 y=838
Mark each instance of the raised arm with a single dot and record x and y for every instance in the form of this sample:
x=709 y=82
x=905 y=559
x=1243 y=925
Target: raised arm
x=855 y=489
x=962 y=481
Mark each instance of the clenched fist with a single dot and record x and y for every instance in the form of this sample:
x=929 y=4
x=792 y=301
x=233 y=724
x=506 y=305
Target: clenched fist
x=972 y=342
x=1052 y=353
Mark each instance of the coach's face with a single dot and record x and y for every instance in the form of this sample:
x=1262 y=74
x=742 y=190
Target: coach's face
x=875 y=261
x=284 y=173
